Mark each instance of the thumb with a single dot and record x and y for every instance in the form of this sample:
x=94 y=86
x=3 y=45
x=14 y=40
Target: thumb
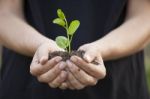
x=43 y=54
x=88 y=56
x=43 y=60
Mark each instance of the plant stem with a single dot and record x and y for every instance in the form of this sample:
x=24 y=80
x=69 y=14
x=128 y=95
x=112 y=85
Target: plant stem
x=71 y=38
x=69 y=46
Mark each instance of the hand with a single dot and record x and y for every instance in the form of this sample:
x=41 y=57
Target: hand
x=92 y=52
x=48 y=71
x=84 y=73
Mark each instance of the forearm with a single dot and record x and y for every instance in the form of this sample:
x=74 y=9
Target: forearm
x=131 y=36
x=17 y=35
x=127 y=39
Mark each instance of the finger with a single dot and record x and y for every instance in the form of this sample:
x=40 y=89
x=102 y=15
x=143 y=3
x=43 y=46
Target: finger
x=38 y=69
x=43 y=60
x=50 y=64
x=59 y=80
x=74 y=82
x=63 y=86
x=70 y=86
x=80 y=75
x=97 y=71
x=52 y=73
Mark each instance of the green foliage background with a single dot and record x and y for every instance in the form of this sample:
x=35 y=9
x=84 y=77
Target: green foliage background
x=147 y=64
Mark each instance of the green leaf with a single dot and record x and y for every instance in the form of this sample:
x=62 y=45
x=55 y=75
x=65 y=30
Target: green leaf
x=60 y=14
x=73 y=27
x=62 y=41
x=59 y=21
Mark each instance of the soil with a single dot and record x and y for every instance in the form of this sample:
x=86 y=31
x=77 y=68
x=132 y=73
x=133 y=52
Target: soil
x=66 y=55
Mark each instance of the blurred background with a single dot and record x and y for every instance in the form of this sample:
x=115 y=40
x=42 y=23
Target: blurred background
x=147 y=64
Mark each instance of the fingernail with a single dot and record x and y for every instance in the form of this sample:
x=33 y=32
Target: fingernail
x=58 y=59
x=62 y=66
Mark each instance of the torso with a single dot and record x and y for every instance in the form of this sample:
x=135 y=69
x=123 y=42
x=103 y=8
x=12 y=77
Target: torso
x=98 y=18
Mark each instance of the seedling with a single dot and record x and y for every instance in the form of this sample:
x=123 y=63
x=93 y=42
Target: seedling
x=62 y=41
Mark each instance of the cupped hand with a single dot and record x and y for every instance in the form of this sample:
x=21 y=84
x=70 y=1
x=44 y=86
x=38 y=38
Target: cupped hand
x=48 y=71
x=83 y=72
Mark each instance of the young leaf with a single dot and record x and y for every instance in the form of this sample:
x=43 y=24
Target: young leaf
x=59 y=21
x=60 y=14
x=73 y=27
x=62 y=41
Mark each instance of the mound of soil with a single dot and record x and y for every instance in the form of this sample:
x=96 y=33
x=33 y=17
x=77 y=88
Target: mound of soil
x=65 y=55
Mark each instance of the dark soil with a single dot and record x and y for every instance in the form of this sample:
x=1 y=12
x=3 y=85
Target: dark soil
x=66 y=55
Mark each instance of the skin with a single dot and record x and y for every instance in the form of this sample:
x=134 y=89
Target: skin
x=17 y=37
x=76 y=73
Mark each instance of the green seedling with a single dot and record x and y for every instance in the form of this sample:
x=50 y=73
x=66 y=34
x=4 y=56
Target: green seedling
x=62 y=41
